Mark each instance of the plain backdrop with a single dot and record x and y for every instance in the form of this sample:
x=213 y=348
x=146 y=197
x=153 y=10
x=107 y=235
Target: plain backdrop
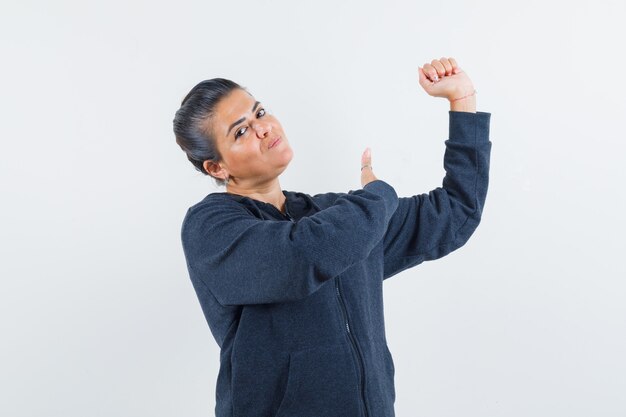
x=98 y=316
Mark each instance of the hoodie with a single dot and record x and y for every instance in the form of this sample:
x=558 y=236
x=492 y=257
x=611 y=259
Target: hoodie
x=295 y=300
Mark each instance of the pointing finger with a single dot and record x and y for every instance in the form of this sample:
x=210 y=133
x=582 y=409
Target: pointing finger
x=366 y=158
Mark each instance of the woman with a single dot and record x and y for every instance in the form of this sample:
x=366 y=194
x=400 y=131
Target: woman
x=291 y=284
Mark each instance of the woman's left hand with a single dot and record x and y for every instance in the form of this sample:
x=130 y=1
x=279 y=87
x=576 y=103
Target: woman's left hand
x=367 y=173
x=443 y=78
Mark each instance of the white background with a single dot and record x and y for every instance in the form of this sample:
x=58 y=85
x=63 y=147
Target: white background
x=97 y=313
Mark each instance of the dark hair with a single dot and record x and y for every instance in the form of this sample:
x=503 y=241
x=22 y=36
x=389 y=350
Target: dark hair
x=192 y=122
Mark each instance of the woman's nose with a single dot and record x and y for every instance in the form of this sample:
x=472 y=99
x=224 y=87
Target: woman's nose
x=262 y=128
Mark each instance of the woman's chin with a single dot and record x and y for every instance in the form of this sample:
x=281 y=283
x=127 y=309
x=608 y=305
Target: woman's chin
x=286 y=155
x=284 y=163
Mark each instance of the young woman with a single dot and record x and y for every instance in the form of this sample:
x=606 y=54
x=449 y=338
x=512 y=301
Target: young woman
x=291 y=284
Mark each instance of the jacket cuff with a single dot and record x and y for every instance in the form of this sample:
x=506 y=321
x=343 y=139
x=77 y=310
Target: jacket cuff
x=467 y=127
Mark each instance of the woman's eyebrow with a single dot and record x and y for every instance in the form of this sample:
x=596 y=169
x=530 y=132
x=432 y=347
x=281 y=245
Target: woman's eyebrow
x=242 y=119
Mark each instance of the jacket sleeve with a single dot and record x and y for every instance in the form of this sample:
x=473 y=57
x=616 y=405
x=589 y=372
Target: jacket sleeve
x=245 y=260
x=429 y=226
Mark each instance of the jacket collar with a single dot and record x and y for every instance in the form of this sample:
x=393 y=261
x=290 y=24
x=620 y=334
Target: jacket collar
x=298 y=204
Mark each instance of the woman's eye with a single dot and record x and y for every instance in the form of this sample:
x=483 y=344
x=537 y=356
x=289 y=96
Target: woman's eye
x=239 y=132
x=260 y=113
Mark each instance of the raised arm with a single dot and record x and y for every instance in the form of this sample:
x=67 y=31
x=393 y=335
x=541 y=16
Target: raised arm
x=431 y=225
x=241 y=259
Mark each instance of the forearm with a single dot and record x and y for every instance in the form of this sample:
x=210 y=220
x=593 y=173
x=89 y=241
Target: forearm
x=467 y=104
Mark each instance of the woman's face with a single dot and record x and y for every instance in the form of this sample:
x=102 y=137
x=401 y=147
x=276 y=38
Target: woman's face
x=244 y=131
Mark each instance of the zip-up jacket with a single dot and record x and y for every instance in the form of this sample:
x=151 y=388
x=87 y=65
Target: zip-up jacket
x=295 y=300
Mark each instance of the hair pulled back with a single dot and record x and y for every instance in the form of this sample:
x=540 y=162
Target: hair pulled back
x=193 y=119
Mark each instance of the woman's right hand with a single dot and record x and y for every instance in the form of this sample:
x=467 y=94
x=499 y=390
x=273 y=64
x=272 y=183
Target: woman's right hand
x=367 y=175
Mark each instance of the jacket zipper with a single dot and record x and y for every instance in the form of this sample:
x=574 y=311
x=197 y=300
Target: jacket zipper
x=353 y=342
x=350 y=336
x=287 y=215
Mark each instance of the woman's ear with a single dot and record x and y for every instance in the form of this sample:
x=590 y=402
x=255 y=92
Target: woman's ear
x=215 y=170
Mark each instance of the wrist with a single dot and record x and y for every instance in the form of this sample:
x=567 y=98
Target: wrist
x=464 y=100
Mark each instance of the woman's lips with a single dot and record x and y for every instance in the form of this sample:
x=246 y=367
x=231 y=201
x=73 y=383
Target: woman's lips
x=274 y=143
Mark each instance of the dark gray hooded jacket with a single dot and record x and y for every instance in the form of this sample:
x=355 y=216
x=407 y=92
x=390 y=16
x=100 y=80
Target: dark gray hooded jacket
x=295 y=301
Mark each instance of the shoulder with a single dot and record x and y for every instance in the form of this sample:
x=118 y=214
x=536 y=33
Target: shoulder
x=214 y=202
x=214 y=208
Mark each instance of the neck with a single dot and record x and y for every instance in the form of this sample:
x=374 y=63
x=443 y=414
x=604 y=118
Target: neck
x=269 y=193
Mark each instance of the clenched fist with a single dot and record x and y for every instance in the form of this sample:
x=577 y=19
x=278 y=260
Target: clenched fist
x=443 y=78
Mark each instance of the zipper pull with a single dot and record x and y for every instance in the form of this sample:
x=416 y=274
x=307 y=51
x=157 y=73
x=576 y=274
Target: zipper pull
x=287 y=213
